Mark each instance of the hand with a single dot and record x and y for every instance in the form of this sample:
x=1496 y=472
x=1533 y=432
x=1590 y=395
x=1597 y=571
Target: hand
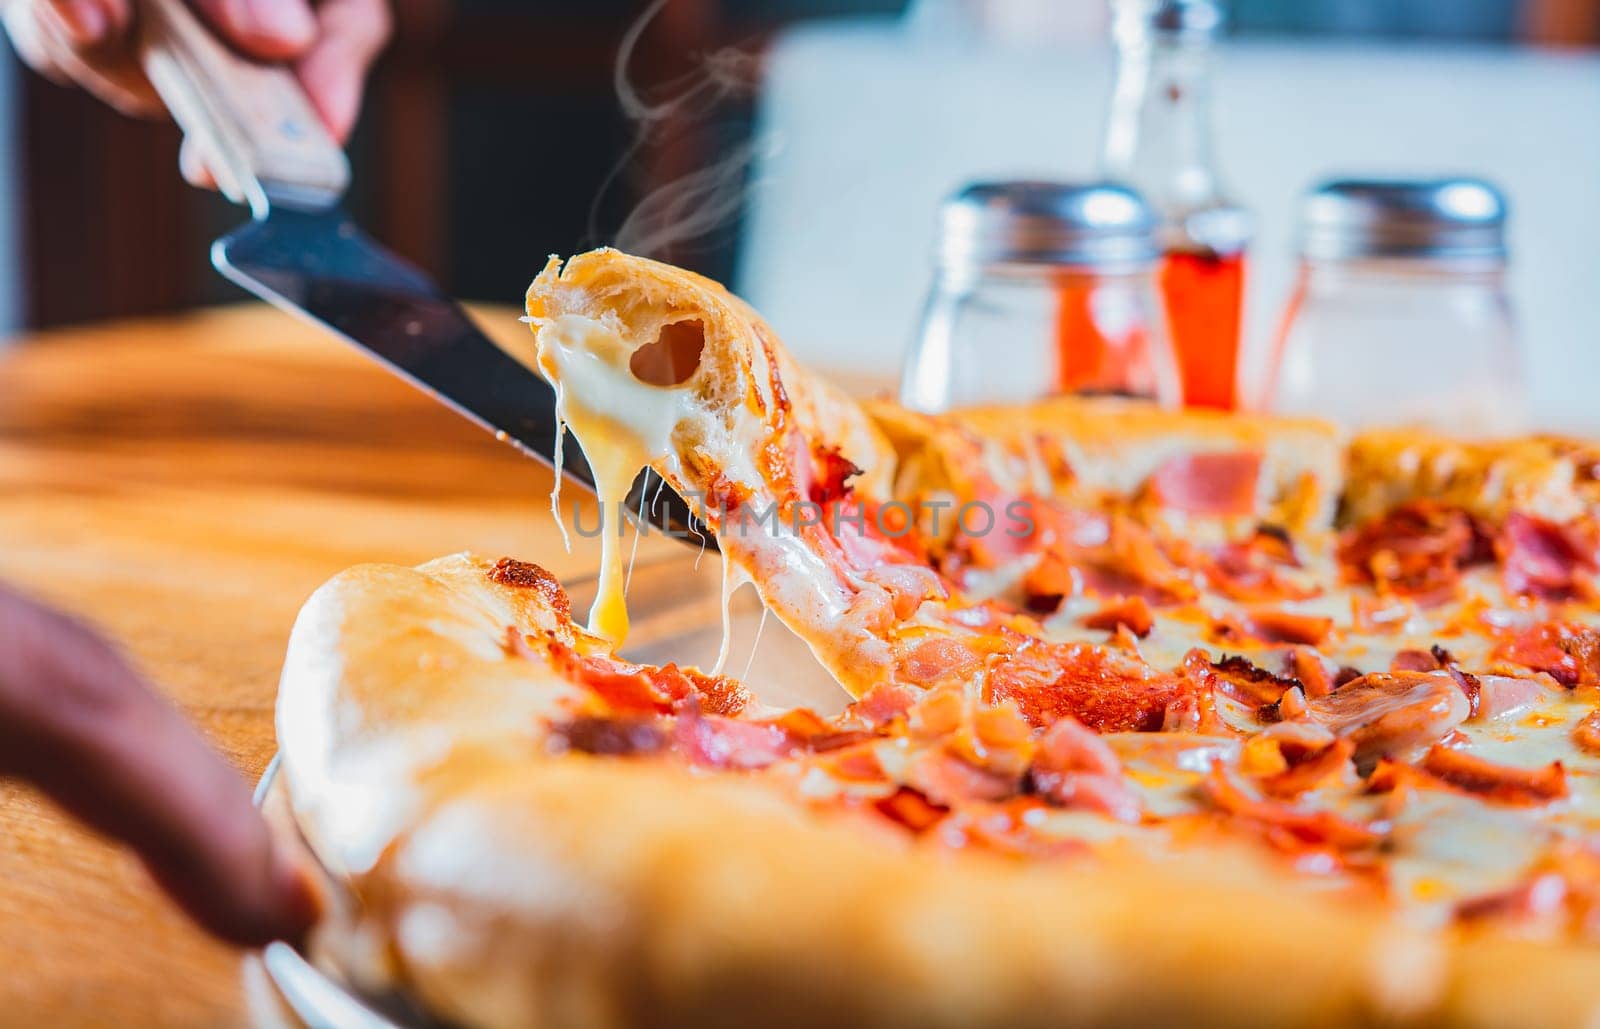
x=330 y=46
x=77 y=722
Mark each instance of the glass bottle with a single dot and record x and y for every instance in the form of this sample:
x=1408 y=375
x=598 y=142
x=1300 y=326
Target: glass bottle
x=1158 y=140
x=1040 y=289
x=1400 y=313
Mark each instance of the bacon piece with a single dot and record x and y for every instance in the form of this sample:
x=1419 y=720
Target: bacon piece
x=1249 y=683
x=1252 y=569
x=1195 y=709
x=1586 y=734
x=1494 y=781
x=1276 y=626
x=1418 y=549
x=831 y=475
x=938 y=660
x=1222 y=484
x=1568 y=652
x=1075 y=768
x=1131 y=612
x=911 y=809
x=1316 y=675
x=1543 y=559
x=1393 y=713
x=1129 y=563
x=948 y=780
x=612 y=736
x=1107 y=690
x=1332 y=765
x=1283 y=825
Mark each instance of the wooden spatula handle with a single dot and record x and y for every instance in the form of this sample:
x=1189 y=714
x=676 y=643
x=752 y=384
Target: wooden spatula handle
x=253 y=122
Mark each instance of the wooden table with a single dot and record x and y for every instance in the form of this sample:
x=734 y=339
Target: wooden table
x=183 y=484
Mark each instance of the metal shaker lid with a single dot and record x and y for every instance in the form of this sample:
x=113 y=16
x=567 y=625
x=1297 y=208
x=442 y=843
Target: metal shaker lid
x=1446 y=219
x=1094 y=224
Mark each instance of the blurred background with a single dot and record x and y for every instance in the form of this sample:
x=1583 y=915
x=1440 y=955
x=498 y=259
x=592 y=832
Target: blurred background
x=817 y=136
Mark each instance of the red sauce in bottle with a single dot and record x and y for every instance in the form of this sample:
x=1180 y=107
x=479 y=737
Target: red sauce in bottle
x=1204 y=294
x=1091 y=360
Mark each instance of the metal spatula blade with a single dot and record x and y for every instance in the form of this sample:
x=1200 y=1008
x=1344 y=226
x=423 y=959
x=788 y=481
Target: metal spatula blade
x=267 y=148
x=320 y=265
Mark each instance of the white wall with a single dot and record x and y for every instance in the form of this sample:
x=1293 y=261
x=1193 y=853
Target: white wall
x=872 y=126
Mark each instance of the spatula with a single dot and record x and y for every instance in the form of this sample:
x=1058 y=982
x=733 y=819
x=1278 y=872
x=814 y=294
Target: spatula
x=264 y=144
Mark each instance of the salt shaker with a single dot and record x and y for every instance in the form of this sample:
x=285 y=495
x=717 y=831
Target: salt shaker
x=1400 y=311
x=1041 y=288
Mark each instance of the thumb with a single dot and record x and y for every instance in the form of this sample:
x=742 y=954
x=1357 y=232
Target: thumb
x=270 y=30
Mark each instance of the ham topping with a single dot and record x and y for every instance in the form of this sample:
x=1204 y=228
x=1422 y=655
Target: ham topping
x=1546 y=560
x=1075 y=768
x=1221 y=484
x=1397 y=714
x=1568 y=652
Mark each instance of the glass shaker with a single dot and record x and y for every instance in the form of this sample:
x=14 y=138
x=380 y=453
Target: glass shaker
x=1041 y=288
x=1158 y=140
x=1400 y=313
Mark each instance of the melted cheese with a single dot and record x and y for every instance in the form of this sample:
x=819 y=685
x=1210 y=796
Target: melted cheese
x=585 y=359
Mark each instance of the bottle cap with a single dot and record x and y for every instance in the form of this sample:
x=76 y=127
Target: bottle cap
x=1185 y=19
x=1096 y=224
x=1441 y=219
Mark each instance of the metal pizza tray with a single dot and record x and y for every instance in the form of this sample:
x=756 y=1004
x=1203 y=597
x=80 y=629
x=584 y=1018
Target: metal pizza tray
x=677 y=606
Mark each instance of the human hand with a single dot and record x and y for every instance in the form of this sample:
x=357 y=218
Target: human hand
x=78 y=723
x=330 y=45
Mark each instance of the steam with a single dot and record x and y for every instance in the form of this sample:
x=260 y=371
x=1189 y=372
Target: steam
x=706 y=199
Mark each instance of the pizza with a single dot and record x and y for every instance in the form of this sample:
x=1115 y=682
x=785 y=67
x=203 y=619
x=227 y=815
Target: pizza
x=1155 y=717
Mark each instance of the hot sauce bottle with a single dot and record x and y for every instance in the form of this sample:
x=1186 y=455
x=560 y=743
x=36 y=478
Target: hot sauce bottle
x=1158 y=140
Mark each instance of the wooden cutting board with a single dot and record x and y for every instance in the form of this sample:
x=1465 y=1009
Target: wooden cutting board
x=184 y=484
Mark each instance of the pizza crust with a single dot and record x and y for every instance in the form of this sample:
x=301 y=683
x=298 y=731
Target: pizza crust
x=511 y=886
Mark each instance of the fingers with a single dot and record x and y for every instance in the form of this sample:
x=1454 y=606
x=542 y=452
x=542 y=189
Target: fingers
x=271 y=30
x=76 y=721
x=192 y=164
x=82 y=41
x=351 y=34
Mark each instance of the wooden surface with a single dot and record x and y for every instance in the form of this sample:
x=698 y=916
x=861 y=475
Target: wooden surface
x=184 y=484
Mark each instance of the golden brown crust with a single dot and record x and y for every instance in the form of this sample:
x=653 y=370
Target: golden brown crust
x=518 y=888
x=1550 y=476
x=1088 y=449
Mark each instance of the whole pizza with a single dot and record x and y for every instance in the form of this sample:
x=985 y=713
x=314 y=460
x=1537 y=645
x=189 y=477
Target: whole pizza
x=1159 y=717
